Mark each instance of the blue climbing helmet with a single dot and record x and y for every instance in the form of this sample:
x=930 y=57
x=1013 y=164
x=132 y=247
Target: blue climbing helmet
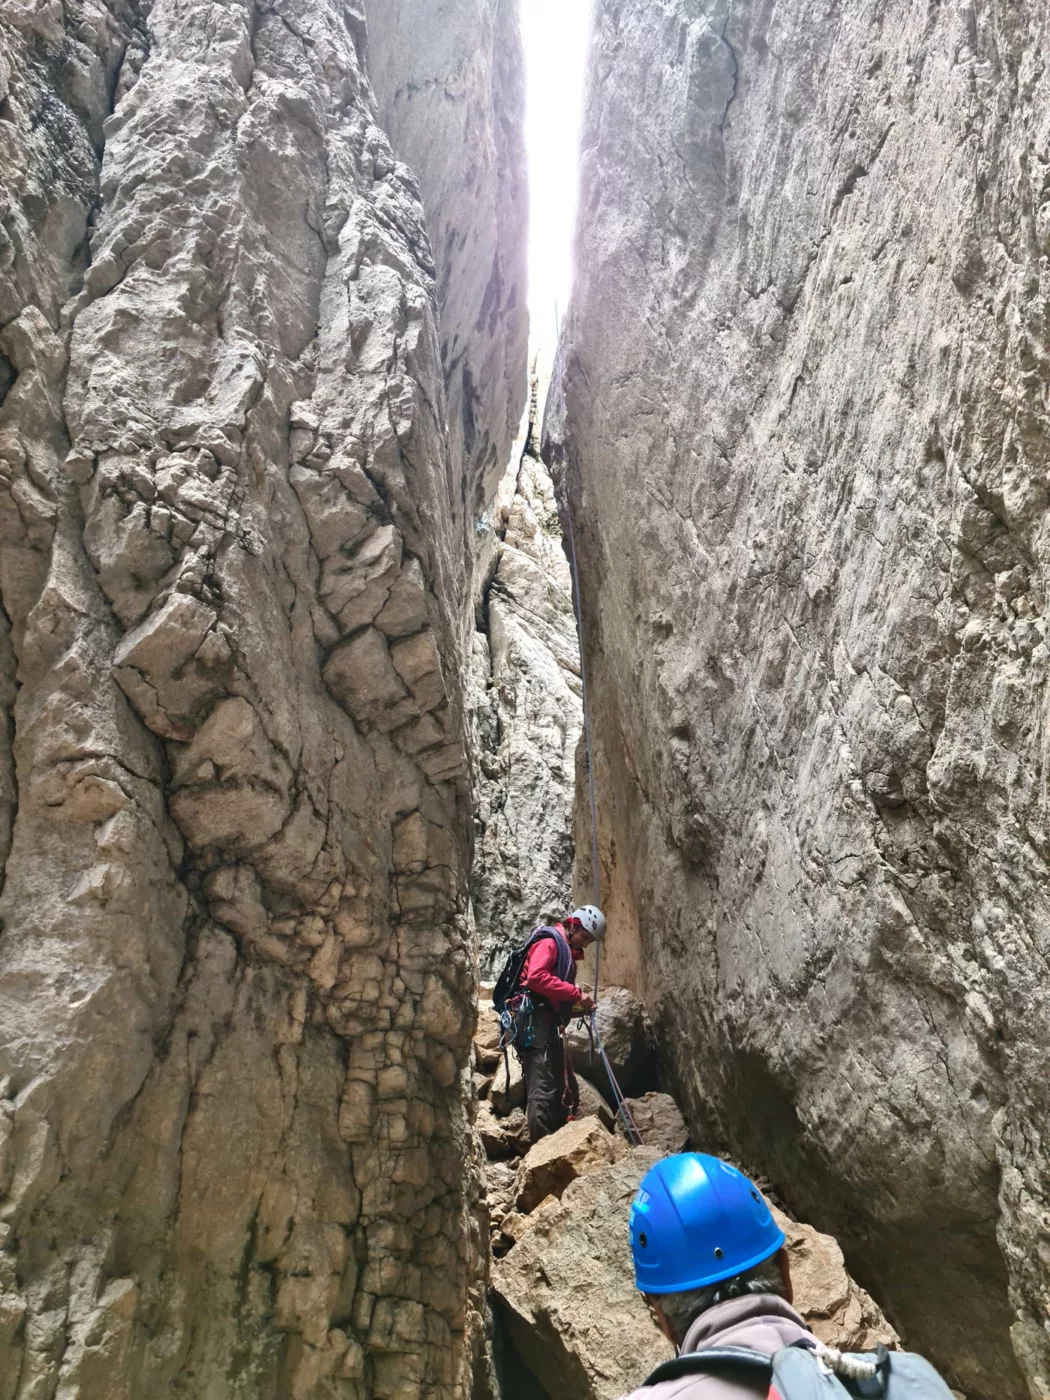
x=696 y=1221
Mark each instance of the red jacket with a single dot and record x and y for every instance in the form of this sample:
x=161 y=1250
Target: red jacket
x=539 y=976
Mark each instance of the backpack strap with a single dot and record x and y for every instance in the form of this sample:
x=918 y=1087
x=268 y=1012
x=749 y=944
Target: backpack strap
x=740 y=1363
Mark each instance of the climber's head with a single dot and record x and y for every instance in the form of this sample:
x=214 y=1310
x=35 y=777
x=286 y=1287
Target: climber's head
x=585 y=926
x=701 y=1233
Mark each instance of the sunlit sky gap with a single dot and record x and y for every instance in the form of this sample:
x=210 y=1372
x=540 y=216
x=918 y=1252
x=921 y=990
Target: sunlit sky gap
x=555 y=38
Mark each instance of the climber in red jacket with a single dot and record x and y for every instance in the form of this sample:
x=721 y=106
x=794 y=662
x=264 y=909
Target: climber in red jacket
x=552 y=1095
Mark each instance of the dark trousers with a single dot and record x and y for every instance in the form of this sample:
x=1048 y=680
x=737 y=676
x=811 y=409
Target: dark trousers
x=551 y=1092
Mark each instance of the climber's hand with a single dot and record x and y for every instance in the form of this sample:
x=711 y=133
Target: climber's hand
x=585 y=1005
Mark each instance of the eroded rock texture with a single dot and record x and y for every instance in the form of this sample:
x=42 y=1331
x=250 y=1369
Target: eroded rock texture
x=804 y=434
x=449 y=79
x=527 y=714
x=236 y=981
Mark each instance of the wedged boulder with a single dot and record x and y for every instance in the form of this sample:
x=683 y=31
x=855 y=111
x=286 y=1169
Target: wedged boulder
x=507 y=1089
x=657 y=1118
x=567 y=1289
x=551 y=1164
x=627 y=1039
x=838 y=1309
x=515 y=1225
x=593 y=1104
x=502 y=1137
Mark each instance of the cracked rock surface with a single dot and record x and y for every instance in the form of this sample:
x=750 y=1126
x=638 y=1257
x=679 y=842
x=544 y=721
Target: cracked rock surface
x=802 y=424
x=449 y=79
x=236 y=973
x=527 y=714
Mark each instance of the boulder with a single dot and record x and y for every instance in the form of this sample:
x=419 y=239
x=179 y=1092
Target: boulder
x=502 y=1137
x=838 y=1309
x=627 y=1039
x=657 y=1118
x=593 y=1105
x=567 y=1287
x=507 y=1093
x=514 y=1225
x=567 y=1294
x=550 y=1165
x=500 y=1182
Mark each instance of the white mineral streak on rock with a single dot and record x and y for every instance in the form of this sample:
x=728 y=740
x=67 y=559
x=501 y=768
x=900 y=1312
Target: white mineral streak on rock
x=804 y=431
x=236 y=978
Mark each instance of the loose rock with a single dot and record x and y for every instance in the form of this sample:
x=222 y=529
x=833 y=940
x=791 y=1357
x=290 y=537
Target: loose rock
x=507 y=1089
x=626 y=1037
x=839 y=1311
x=658 y=1120
x=578 y=1148
x=567 y=1288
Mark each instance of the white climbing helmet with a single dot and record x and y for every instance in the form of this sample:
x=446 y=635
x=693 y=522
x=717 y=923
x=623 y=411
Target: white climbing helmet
x=591 y=918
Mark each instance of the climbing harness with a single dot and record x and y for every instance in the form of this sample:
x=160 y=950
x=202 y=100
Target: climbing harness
x=630 y=1128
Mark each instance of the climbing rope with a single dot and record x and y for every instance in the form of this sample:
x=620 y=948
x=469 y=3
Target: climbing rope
x=841 y=1363
x=578 y=607
x=630 y=1128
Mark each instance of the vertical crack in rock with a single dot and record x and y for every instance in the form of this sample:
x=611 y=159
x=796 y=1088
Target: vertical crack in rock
x=234 y=1142
x=802 y=425
x=527 y=712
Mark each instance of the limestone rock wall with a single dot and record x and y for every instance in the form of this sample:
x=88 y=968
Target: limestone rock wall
x=525 y=699
x=236 y=978
x=802 y=422
x=450 y=85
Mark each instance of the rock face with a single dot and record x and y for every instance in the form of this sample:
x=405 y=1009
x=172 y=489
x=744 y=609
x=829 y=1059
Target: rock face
x=236 y=977
x=659 y=1122
x=525 y=697
x=626 y=1037
x=449 y=82
x=802 y=425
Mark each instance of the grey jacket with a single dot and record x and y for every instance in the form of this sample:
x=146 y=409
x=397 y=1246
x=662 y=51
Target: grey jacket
x=761 y=1321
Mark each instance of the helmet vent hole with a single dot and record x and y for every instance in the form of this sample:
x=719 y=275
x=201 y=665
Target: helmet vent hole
x=718 y=1252
x=757 y=1197
x=642 y=1240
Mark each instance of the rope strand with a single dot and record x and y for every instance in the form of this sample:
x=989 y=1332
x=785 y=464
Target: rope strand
x=578 y=609
x=840 y=1363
